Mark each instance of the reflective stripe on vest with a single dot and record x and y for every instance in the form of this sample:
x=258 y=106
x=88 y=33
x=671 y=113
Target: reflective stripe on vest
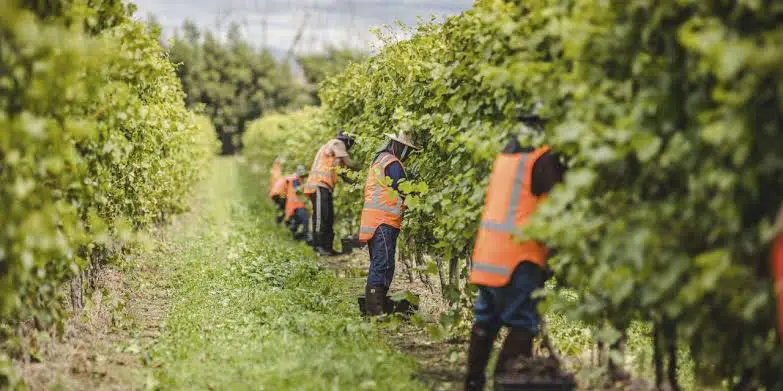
x=322 y=171
x=292 y=200
x=367 y=230
x=490 y=268
x=509 y=202
x=377 y=197
x=375 y=202
x=507 y=225
x=278 y=188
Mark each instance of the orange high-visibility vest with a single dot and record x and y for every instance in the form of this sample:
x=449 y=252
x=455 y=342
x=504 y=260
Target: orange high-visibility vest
x=292 y=200
x=777 y=271
x=278 y=188
x=382 y=205
x=509 y=203
x=323 y=171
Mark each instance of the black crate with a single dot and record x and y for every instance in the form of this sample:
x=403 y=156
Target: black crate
x=390 y=306
x=350 y=244
x=535 y=386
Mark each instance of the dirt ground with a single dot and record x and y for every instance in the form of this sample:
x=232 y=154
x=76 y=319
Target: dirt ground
x=102 y=347
x=441 y=363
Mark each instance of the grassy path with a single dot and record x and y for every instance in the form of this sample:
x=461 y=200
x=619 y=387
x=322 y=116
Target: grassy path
x=221 y=299
x=250 y=311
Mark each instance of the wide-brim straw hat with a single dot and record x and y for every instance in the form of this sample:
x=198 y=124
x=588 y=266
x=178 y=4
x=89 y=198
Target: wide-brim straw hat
x=402 y=138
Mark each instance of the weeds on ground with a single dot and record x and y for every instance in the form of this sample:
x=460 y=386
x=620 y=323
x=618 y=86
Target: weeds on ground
x=254 y=311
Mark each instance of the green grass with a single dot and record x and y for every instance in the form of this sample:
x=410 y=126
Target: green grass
x=576 y=341
x=252 y=310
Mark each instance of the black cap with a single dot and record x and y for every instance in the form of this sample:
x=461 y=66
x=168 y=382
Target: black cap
x=346 y=138
x=342 y=134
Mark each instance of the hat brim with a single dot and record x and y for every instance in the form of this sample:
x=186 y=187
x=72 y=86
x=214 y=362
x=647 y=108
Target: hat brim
x=401 y=141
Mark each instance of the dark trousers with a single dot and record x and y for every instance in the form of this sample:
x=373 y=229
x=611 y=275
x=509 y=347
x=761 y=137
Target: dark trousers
x=280 y=203
x=323 y=218
x=299 y=219
x=511 y=305
x=383 y=247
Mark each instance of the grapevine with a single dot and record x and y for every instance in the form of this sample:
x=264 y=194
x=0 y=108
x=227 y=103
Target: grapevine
x=669 y=116
x=96 y=143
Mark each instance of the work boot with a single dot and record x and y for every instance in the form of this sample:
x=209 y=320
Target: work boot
x=309 y=238
x=518 y=344
x=279 y=219
x=373 y=300
x=316 y=240
x=327 y=242
x=478 y=355
x=298 y=235
x=326 y=252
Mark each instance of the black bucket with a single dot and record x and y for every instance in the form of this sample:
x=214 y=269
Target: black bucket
x=535 y=386
x=403 y=307
x=351 y=243
x=548 y=378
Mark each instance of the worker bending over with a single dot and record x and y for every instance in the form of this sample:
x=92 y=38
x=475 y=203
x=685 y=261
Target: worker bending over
x=295 y=208
x=319 y=187
x=382 y=218
x=277 y=187
x=505 y=270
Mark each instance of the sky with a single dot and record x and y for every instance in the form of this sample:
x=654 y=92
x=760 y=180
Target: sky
x=322 y=22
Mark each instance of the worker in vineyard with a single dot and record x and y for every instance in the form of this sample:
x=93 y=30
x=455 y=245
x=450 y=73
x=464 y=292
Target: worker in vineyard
x=382 y=217
x=507 y=271
x=295 y=207
x=277 y=187
x=277 y=193
x=320 y=184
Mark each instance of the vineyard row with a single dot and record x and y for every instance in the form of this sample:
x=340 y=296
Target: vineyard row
x=669 y=114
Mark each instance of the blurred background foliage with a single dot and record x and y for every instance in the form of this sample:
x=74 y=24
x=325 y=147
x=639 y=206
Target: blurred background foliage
x=236 y=82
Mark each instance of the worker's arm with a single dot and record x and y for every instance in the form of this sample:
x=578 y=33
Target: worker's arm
x=547 y=172
x=347 y=162
x=396 y=173
x=346 y=178
x=343 y=160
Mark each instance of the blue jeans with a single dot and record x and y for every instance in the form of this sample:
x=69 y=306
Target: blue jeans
x=300 y=218
x=511 y=305
x=383 y=246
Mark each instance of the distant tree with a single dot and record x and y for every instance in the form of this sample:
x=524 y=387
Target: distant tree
x=154 y=27
x=232 y=81
x=317 y=67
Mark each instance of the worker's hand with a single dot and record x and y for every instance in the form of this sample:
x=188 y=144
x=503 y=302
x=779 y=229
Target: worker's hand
x=347 y=179
x=347 y=162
